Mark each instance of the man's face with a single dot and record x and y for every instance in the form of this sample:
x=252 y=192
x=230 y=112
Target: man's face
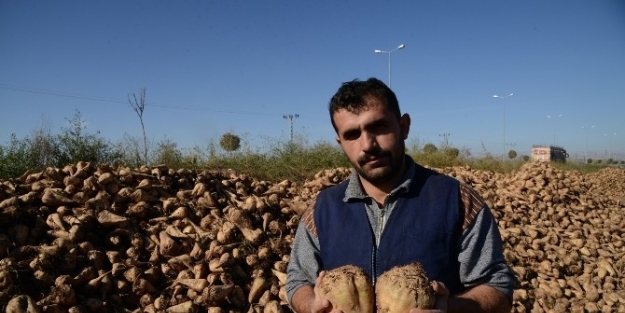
x=373 y=140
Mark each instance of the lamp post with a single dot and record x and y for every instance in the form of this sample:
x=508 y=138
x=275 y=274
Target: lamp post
x=554 y=127
x=291 y=118
x=377 y=51
x=503 y=156
x=587 y=129
x=610 y=144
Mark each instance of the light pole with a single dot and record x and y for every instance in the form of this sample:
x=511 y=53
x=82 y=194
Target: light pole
x=610 y=144
x=291 y=118
x=587 y=129
x=554 y=127
x=377 y=51
x=503 y=156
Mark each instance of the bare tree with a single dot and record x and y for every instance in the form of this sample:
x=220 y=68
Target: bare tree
x=138 y=104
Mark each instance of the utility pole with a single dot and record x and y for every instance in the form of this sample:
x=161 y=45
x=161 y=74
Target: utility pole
x=587 y=129
x=503 y=156
x=445 y=139
x=554 y=127
x=291 y=118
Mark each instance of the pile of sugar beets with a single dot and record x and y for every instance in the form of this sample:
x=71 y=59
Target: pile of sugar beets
x=94 y=238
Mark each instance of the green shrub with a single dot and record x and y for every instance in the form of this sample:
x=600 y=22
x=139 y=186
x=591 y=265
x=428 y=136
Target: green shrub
x=15 y=158
x=429 y=148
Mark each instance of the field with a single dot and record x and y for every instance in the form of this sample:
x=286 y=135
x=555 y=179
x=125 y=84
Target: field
x=87 y=238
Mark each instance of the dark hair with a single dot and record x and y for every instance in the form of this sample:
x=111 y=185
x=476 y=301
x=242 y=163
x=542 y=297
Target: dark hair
x=351 y=96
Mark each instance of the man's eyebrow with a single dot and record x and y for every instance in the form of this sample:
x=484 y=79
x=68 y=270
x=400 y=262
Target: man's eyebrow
x=377 y=122
x=350 y=131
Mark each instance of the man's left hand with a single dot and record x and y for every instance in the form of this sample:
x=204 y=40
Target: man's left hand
x=442 y=294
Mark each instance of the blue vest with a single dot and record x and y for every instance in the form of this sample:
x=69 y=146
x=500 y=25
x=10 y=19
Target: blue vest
x=424 y=226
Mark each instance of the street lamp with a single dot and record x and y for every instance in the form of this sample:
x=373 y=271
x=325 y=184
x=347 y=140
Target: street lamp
x=610 y=144
x=503 y=156
x=389 y=60
x=587 y=129
x=554 y=127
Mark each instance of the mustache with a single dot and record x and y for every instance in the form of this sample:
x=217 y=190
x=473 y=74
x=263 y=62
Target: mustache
x=374 y=153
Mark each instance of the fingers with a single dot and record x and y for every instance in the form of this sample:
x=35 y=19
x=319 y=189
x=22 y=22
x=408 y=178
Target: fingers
x=442 y=295
x=318 y=282
x=321 y=305
x=440 y=289
x=320 y=277
x=324 y=306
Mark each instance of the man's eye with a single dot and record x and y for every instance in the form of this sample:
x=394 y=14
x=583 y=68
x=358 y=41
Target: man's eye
x=351 y=135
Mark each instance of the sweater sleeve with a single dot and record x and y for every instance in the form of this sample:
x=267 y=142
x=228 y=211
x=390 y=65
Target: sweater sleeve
x=304 y=263
x=481 y=248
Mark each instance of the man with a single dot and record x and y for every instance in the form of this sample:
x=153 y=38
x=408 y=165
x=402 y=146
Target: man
x=392 y=211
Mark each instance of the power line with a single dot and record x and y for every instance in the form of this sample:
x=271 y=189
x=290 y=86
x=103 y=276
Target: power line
x=57 y=93
x=112 y=100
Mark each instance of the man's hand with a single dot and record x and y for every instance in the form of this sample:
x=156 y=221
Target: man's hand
x=442 y=294
x=306 y=299
x=320 y=304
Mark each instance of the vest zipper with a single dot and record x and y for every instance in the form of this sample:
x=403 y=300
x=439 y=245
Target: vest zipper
x=380 y=227
x=374 y=265
x=377 y=244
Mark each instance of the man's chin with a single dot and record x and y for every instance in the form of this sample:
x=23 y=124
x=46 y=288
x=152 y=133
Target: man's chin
x=375 y=174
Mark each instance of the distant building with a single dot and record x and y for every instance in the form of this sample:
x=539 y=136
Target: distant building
x=549 y=153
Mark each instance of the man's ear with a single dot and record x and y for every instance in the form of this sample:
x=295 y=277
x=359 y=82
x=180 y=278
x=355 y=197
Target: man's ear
x=404 y=124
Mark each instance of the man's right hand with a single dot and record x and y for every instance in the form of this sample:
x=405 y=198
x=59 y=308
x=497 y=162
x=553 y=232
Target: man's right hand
x=306 y=299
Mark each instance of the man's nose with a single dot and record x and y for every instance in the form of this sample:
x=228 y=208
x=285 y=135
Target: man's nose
x=368 y=142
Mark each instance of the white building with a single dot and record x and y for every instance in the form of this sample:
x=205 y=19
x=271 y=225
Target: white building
x=549 y=153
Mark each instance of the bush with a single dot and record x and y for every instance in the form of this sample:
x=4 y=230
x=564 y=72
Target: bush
x=76 y=145
x=452 y=152
x=15 y=158
x=167 y=153
x=429 y=148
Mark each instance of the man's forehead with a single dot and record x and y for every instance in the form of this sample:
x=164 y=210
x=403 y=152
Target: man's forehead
x=364 y=115
x=372 y=102
x=368 y=103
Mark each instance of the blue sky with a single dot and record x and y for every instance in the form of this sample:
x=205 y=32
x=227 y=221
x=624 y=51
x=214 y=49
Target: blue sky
x=211 y=67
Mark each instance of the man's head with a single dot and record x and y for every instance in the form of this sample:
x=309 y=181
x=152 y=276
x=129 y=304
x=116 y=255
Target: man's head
x=370 y=129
